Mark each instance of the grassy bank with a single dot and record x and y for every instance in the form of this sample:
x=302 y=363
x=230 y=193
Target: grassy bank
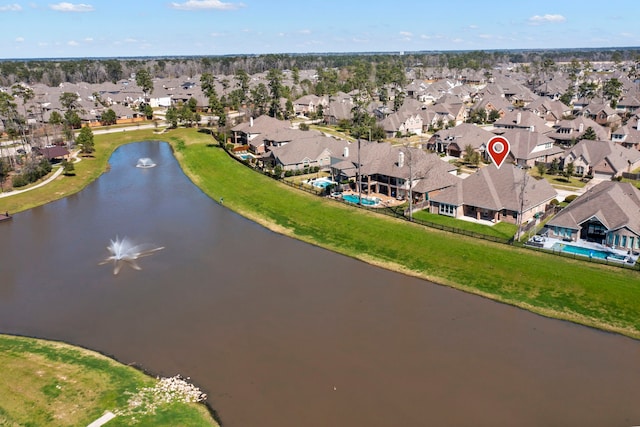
x=594 y=295
x=87 y=170
x=590 y=294
x=54 y=384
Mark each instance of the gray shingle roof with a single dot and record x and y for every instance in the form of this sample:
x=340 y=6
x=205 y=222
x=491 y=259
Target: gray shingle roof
x=615 y=204
x=595 y=152
x=523 y=143
x=498 y=189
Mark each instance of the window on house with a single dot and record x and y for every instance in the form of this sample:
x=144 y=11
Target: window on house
x=446 y=209
x=624 y=241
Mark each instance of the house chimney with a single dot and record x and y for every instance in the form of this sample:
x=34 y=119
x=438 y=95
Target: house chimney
x=581 y=128
x=400 y=159
x=250 y=122
x=345 y=152
x=638 y=125
x=518 y=118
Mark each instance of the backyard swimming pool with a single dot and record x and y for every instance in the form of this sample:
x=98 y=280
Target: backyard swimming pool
x=367 y=201
x=322 y=182
x=588 y=252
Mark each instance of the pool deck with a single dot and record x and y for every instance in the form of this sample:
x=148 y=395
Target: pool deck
x=549 y=242
x=385 y=201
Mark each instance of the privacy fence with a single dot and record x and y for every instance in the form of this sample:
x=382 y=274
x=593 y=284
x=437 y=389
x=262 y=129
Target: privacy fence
x=400 y=212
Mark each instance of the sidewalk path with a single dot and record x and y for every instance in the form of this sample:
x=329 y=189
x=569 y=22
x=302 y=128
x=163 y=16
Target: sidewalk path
x=53 y=176
x=108 y=416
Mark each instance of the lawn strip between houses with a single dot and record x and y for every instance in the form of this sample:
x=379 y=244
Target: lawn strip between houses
x=600 y=296
x=55 y=384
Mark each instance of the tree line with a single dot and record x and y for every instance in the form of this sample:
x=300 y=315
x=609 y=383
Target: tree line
x=52 y=72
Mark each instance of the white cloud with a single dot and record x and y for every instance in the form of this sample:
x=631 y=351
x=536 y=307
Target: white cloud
x=73 y=43
x=19 y=39
x=305 y=31
x=206 y=4
x=70 y=7
x=88 y=39
x=542 y=19
x=11 y=8
x=432 y=37
x=406 y=34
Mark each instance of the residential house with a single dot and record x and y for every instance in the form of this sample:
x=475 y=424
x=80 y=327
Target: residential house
x=454 y=141
x=300 y=154
x=394 y=171
x=629 y=103
x=493 y=103
x=246 y=132
x=601 y=159
x=551 y=111
x=607 y=213
x=280 y=137
x=628 y=135
x=567 y=132
x=496 y=194
x=553 y=88
x=522 y=119
x=309 y=104
x=529 y=148
x=451 y=106
x=403 y=122
x=415 y=89
x=339 y=108
x=603 y=114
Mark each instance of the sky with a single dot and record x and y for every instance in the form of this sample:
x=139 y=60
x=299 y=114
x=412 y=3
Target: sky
x=134 y=28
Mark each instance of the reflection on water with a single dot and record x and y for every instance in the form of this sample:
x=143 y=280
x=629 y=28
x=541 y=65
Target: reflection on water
x=278 y=332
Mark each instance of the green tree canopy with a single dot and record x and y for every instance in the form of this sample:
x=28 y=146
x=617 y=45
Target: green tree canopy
x=85 y=140
x=589 y=134
x=144 y=81
x=108 y=117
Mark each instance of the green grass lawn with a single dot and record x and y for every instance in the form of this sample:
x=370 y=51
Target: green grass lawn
x=500 y=230
x=606 y=297
x=48 y=383
x=596 y=295
x=559 y=181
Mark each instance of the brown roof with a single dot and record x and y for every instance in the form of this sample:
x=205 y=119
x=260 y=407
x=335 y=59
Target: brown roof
x=54 y=152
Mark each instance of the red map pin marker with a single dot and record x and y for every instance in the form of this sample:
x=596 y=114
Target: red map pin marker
x=498 y=149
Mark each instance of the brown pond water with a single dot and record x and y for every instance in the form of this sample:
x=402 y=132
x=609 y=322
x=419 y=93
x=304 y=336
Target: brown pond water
x=281 y=333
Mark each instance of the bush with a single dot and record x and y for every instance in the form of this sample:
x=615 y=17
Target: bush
x=570 y=198
x=19 y=181
x=554 y=202
x=304 y=126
